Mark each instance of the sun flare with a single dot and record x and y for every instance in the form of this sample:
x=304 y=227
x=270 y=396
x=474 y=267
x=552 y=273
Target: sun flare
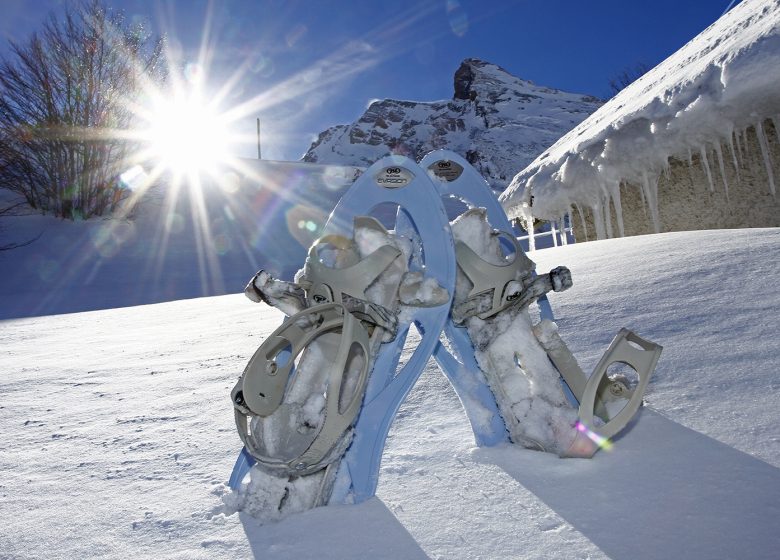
x=187 y=136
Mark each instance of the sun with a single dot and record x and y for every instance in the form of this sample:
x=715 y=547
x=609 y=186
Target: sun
x=187 y=136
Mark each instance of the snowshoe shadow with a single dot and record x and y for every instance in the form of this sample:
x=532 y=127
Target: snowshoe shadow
x=664 y=492
x=333 y=529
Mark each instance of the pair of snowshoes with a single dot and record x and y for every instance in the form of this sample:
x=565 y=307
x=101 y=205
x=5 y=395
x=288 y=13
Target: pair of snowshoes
x=315 y=402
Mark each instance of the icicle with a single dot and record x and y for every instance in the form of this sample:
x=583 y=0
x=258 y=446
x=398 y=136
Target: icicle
x=564 y=241
x=740 y=157
x=667 y=170
x=553 y=233
x=745 y=152
x=530 y=229
x=607 y=213
x=776 y=123
x=765 y=153
x=690 y=166
x=706 y=164
x=734 y=155
x=582 y=221
x=651 y=188
x=598 y=221
x=642 y=196
x=719 y=153
x=615 y=192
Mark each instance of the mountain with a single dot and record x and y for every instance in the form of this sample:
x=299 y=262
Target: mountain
x=498 y=122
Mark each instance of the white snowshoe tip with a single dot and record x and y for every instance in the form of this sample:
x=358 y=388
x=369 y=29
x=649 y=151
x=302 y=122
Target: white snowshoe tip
x=267 y=378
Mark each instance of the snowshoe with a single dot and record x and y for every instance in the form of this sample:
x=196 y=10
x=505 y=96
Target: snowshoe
x=491 y=301
x=298 y=402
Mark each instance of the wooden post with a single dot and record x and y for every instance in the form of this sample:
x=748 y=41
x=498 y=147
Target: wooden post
x=259 y=155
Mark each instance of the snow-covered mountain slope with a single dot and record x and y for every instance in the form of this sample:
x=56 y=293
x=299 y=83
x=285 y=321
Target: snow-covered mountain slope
x=498 y=122
x=202 y=239
x=721 y=82
x=118 y=429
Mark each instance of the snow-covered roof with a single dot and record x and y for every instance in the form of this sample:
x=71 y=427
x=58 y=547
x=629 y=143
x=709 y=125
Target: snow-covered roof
x=727 y=78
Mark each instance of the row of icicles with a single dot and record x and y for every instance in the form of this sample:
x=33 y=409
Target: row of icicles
x=737 y=142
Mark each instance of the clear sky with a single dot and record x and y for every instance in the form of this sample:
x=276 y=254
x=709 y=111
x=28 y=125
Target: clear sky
x=302 y=66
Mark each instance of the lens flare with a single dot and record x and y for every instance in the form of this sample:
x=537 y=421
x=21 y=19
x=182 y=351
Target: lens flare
x=601 y=441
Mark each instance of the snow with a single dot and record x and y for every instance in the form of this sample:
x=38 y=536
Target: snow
x=119 y=436
x=712 y=89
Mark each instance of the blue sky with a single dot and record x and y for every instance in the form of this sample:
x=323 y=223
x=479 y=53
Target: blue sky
x=302 y=66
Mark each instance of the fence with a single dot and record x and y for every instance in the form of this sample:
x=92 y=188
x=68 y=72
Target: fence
x=548 y=236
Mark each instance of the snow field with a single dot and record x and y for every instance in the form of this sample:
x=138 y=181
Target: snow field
x=119 y=436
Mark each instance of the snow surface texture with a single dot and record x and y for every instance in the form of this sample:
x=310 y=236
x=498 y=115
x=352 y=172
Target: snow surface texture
x=721 y=82
x=521 y=376
x=498 y=122
x=119 y=436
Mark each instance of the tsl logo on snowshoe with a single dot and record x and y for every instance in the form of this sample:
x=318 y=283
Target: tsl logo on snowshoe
x=447 y=170
x=394 y=177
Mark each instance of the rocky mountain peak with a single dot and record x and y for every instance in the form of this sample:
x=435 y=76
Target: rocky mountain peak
x=474 y=74
x=495 y=120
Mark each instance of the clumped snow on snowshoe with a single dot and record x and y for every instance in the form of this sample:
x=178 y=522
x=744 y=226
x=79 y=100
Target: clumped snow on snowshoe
x=306 y=388
x=526 y=385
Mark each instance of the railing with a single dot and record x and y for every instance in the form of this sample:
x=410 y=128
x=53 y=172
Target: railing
x=553 y=237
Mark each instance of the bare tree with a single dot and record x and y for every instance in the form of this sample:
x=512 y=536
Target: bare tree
x=627 y=76
x=67 y=101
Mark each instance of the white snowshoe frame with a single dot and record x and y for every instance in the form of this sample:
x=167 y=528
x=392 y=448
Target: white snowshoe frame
x=418 y=192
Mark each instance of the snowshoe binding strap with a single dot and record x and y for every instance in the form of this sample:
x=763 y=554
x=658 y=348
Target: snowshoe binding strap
x=347 y=285
x=266 y=378
x=497 y=287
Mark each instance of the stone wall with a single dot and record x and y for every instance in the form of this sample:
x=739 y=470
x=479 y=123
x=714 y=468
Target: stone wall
x=686 y=202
